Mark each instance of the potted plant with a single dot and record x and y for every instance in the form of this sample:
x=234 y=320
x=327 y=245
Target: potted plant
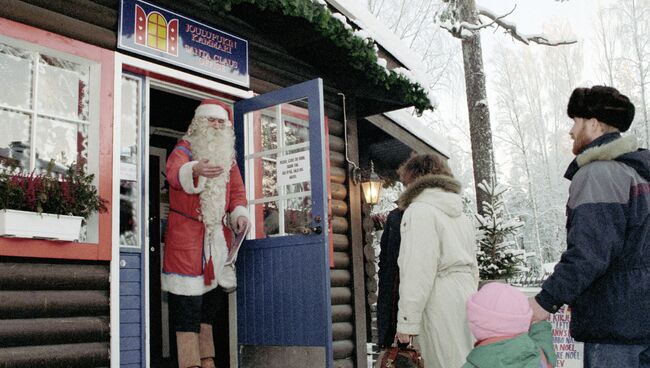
x=498 y=259
x=46 y=206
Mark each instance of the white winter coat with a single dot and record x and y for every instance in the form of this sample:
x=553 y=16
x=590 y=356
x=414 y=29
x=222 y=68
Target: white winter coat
x=438 y=270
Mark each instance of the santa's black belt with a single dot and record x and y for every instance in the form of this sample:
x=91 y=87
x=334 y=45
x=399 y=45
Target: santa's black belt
x=197 y=219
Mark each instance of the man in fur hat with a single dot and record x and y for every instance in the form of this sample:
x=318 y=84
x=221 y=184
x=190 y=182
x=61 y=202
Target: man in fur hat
x=604 y=275
x=207 y=202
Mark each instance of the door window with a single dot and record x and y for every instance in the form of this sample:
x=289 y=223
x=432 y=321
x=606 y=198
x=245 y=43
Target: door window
x=279 y=171
x=130 y=125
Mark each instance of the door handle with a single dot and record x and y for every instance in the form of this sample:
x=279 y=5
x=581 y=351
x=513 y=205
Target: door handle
x=312 y=230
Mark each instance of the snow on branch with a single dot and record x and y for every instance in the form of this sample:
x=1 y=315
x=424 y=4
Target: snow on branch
x=511 y=29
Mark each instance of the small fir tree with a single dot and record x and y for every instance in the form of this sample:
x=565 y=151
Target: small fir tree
x=497 y=256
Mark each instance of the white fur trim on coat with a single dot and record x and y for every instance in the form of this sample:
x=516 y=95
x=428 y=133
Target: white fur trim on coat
x=194 y=285
x=186 y=177
x=236 y=213
x=608 y=151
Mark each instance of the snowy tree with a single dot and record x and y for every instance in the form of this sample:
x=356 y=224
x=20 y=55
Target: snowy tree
x=532 y=85
x=464 y=20
x=497 y=255
x=635 y=26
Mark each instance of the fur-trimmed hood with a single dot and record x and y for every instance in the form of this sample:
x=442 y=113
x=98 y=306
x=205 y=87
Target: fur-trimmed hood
x=613 y=147
x=441 y=191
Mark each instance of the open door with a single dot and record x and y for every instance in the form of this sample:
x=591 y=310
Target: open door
x=283 y=296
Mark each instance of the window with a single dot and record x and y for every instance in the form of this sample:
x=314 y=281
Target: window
x=49 y=113
x=130 y=161
x=45 y=111
x=279 y=180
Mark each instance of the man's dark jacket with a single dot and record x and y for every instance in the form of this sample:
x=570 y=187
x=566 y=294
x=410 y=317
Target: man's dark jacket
x=604 y=274
x=388 y=279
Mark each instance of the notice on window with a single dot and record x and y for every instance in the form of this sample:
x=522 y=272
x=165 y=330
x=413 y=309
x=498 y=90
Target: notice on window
x=293 y=168
x=128 y=171
x=569 y=352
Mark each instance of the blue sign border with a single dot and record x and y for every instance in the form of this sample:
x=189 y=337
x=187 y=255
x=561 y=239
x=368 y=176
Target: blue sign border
x=126 y=42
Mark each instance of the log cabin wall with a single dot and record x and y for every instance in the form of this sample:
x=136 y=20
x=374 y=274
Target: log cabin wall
x=54 y=313
x=95 y=22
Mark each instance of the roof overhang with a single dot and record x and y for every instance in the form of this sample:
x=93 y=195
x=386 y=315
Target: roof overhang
x=410 y=130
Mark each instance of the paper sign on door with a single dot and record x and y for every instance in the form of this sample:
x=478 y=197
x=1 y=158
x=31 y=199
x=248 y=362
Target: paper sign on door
x=293 y=168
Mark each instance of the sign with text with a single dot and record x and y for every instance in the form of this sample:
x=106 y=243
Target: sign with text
x=149 y=30
x=293 y=168
x=569 y=352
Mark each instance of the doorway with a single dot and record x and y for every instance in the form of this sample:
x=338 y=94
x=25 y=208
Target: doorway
x=170 y=113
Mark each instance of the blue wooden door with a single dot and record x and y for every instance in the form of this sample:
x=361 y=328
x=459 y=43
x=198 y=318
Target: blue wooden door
x=283 y=294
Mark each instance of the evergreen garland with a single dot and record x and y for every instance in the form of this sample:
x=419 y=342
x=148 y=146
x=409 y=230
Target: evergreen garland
x=361 y=52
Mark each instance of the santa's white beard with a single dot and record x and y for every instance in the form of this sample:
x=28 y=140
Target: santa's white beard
x=218 y=147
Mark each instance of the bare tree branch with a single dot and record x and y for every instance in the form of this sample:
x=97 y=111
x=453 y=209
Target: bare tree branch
x=511 y=29
x=465 y=29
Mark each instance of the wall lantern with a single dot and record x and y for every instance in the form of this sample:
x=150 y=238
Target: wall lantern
x=371 y=186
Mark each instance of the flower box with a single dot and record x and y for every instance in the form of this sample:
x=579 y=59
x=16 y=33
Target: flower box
x=23 y=224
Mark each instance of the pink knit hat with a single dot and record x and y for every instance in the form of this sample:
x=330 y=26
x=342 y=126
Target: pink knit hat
x=498 y=310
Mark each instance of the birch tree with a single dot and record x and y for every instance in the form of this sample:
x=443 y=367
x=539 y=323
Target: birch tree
x=516 y=135
x=607 y=43
x=635 y=21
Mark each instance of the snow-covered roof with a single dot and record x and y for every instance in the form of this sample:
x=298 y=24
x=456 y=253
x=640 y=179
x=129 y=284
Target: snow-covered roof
x=356 y=12
x=371 y=27
x=418 y=128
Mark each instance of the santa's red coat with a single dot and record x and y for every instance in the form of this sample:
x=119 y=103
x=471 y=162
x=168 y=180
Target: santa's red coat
x=184 y=239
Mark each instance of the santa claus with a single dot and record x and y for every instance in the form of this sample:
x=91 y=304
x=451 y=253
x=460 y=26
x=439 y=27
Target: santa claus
x=207 y=203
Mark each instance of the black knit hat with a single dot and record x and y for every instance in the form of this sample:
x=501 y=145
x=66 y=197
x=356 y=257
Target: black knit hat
x=606 y=104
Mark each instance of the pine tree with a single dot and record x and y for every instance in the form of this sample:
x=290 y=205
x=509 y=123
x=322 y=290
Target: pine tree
x=497 y=256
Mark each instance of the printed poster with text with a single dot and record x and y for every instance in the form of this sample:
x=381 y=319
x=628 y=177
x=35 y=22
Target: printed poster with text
x=569 y=352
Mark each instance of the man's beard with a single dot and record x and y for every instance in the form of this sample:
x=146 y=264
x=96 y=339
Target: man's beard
x=218 y=147
x=580 y=140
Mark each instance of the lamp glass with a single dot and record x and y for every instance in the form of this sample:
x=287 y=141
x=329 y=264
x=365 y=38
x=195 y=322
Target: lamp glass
x=371 y=189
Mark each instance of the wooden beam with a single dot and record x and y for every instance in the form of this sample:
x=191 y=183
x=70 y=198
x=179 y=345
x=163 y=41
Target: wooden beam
x=65 y=355
x=48 y=20
x=356 y=237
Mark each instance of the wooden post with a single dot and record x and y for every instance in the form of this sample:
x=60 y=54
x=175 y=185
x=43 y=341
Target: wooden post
x=356 y=236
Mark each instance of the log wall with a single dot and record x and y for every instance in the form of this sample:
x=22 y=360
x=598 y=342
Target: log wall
x=54 y=314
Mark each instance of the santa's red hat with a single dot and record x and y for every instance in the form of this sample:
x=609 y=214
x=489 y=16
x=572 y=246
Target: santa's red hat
x=211 y=108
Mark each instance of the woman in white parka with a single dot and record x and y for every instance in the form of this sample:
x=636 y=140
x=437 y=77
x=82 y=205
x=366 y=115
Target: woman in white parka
x=437 y=263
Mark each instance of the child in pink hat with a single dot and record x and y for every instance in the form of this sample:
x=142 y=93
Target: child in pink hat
x=499 y=317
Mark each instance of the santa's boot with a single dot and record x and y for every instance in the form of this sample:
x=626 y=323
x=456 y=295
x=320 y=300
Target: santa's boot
x=206 y=343
x=189 y=355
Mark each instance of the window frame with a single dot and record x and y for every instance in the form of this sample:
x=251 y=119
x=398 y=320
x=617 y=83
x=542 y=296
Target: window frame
x=100 y=138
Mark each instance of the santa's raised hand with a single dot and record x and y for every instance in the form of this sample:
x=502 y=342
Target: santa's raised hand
x=204 y=168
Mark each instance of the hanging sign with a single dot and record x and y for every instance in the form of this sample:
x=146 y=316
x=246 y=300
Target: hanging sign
x=569 y=352
x=293 y=168
x=149 y=30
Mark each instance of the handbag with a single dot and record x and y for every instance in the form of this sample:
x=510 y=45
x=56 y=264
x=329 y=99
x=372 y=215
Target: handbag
x=400 y=357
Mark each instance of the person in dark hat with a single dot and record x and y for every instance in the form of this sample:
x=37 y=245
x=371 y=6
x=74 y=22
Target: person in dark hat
x=604 y=275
